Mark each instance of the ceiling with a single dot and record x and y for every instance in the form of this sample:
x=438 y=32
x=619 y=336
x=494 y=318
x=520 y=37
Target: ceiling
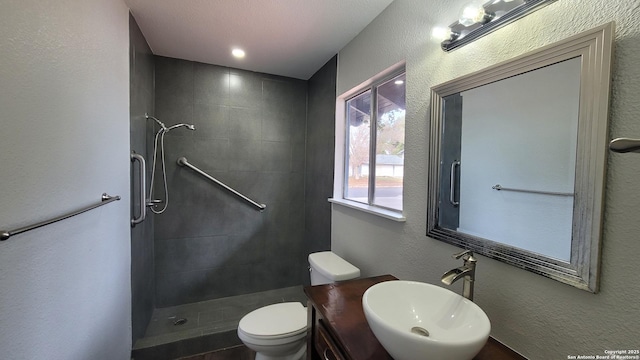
x=291 y=38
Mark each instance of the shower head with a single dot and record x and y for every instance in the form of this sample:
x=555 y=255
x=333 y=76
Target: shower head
x=164 y=128
x=188 y=126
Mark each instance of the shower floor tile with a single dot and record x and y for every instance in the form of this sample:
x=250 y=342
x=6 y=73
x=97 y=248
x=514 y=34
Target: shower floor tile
x=205 y=318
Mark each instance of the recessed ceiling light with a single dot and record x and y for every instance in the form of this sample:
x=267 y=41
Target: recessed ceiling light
x=238 y=53
x=399 y=82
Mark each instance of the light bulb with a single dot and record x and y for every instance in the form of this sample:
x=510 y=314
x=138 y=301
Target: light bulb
x=471 y=14
x=441 y=33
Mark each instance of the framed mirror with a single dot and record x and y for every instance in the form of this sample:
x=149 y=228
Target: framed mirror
x=518 y=156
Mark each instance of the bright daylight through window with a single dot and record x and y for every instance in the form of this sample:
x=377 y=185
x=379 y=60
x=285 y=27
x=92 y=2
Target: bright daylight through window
x=374 y=163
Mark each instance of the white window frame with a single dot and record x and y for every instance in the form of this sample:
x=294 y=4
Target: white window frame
x=341 y=165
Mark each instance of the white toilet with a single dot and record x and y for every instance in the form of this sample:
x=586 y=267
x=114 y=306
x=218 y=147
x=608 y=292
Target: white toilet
x=278 y=331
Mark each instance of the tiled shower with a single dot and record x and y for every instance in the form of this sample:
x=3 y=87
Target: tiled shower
x=267 y=136
x=250 y=134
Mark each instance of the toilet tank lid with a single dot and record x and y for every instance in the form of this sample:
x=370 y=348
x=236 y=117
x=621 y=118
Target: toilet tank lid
x=333 y=266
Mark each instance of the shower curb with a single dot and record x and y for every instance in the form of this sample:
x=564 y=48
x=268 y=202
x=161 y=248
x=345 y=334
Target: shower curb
x=187 y=347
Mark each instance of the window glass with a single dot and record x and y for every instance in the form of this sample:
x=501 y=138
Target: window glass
x=374 y=159
x=358 y=147
x=389 y=170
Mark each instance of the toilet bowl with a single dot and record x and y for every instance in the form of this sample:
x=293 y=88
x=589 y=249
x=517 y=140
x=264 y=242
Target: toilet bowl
x=275 y=331
x=278 y=331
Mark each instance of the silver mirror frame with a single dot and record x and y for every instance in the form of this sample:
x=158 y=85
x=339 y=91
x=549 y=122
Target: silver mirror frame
x=595 y=47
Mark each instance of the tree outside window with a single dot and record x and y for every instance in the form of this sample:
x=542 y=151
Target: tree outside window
x=375 y=157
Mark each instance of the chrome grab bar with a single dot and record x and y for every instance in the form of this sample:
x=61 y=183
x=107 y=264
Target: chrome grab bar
x=452 y=183
x=143 y=190
x=5 y=234
x=499 y=187
x=183 y=162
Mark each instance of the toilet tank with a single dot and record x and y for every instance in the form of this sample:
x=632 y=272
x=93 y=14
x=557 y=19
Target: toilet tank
x=326 y=267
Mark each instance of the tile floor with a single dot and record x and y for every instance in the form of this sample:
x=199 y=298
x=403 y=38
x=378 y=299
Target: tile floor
x=210 y=317
x=235 y=353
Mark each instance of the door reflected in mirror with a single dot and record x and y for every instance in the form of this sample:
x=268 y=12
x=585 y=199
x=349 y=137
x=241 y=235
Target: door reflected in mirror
x=518 y=155
x=510 y=159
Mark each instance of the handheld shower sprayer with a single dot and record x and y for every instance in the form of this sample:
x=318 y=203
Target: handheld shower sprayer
x=162 y=125
x=160 y=136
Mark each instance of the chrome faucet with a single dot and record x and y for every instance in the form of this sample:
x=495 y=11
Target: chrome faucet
x=466 y=271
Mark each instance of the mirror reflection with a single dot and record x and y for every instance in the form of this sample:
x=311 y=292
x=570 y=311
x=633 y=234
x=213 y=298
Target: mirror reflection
x=518 y=156
x=509 y=156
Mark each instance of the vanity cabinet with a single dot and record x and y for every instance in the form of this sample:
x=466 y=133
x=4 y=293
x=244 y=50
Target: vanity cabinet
x=324 y=344
x=339 y=330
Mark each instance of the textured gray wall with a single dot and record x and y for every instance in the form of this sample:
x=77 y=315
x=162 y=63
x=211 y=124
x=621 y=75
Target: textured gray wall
x=141 y=92
x=64 y=80
x=539 y=317
x=320 y=159
x=250 y=135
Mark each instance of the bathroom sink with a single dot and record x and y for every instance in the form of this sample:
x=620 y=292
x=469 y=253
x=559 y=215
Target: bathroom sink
x=414 y=320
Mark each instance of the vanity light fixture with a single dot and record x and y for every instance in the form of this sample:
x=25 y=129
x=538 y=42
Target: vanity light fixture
x=474 y=13
x=477 y=20
x=443 y=33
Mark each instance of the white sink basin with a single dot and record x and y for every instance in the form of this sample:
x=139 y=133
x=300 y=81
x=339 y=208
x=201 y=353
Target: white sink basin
x=414 y=320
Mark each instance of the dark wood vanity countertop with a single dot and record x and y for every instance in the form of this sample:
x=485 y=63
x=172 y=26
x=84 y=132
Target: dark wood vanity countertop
x=340 y=305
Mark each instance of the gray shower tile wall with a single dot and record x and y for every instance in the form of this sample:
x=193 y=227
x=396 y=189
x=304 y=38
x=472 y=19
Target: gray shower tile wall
x=141 y=63
x=320 y=145
x=250 y=134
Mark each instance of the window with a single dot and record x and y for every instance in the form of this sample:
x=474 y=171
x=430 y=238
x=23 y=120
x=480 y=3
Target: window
x=374 y=156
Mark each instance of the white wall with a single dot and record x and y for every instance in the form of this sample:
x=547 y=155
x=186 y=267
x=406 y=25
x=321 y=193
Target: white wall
x=530 y=147
x=539 y=317
x=64 y=140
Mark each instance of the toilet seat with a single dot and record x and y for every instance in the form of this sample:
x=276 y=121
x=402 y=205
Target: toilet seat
x=274 y=324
